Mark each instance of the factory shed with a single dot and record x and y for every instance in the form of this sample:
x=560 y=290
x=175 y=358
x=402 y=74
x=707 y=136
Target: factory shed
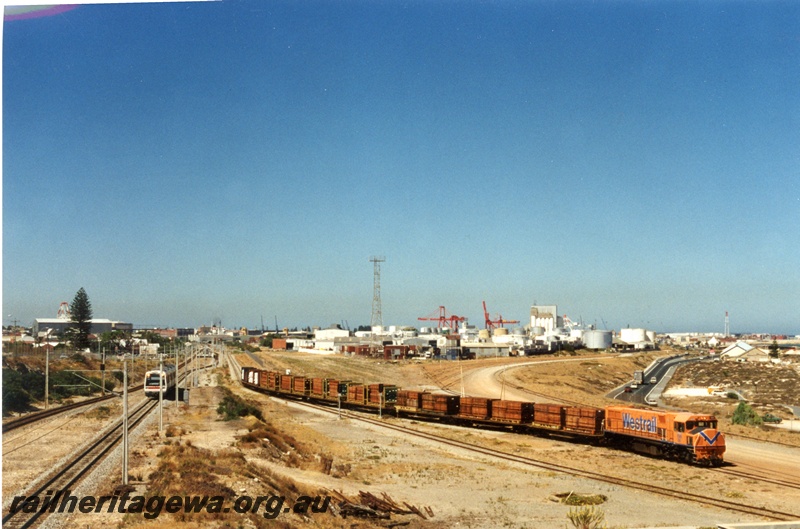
x=60 y=325
x=744 y=352
x=485 y=350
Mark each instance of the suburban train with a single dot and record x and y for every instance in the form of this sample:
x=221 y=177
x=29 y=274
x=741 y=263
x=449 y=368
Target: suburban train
x=689 y=437
x=152 y=381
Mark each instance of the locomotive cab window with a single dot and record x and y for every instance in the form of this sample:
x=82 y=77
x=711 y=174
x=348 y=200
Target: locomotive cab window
x=153 y=380
x=679 y=426
x=699 y=426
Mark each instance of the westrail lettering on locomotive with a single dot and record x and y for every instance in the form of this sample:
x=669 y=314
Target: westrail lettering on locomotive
x=638 y=424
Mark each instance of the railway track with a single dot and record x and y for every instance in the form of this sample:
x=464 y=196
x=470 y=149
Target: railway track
x=52 y=412
x=733 y=506
x=81 y=465
x=749 y=438
x=256 y=359
x=448 y=382
x=749 y=472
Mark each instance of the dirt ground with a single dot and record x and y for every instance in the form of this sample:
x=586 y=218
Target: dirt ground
x=294 y=451
x=767 y=387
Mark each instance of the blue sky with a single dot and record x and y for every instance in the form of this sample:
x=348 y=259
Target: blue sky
x=635 y=163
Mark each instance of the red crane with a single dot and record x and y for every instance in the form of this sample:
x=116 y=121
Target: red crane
x=444 y=319
x=491 y=324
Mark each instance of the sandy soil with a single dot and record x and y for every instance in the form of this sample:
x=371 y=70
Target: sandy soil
x=30 y=451
x=462 y=489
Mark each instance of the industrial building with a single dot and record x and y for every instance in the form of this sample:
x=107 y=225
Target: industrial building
x=57 y=326
x=63 y=320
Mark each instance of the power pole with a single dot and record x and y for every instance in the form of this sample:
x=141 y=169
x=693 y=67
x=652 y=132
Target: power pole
x=377 y=316
x=125 y=420
x=161 y=394
x=177 y=372
x=46 y=377
x=727 y=325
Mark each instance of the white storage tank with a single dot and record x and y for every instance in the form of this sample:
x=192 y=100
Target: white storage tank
x=595 y=339
x=651 y=336
x=537 y=331
x=632 y=335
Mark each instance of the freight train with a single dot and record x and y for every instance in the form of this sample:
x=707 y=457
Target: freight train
x=152 y=381
x=693 y=438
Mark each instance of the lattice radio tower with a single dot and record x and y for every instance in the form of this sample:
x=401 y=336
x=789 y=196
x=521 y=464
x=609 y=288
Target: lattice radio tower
x=377 y=316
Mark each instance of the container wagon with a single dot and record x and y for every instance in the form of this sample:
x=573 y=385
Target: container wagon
x=357 y=394
x=285 y=384
x=512 y=411
x=301 y=386
x=381 y=395
x=475 y=408
x=440 y=403
x=409 y=400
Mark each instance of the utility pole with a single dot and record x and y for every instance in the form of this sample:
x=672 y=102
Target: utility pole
x=727 y=325
x=377 y=315
x=177 y=378
x=125 y=420
x=46 y=376
x=160 y=395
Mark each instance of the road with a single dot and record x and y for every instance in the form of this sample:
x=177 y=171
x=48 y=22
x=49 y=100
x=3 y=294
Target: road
x=488 y=381
x=782 y=461
x=648 y=393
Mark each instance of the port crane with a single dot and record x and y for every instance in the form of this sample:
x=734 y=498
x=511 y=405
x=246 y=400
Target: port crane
x=499 y=322
x=444 y=319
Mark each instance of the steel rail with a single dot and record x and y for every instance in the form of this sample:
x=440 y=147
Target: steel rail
x=77 y=467
x=736 y=506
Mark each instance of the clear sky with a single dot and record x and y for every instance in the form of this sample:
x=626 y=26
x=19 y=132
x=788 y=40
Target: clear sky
x=635 y=163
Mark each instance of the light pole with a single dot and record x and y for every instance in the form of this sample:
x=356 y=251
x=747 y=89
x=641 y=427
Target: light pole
x=103 y=366
x=160 y=395
x=46 y=376
x=125 y=420
x=177 y=377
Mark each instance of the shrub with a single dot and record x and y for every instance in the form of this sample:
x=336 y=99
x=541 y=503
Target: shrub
x=15 y=397
x=586 y=518
x=746 y=415
x=232 y=407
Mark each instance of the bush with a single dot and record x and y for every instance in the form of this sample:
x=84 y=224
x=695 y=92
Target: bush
x=22 y=386
x=586 y=518
x=232 y=407
x=15 y=397
x=744 y=414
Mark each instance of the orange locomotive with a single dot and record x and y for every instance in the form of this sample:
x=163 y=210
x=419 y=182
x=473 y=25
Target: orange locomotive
x=691 y=437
